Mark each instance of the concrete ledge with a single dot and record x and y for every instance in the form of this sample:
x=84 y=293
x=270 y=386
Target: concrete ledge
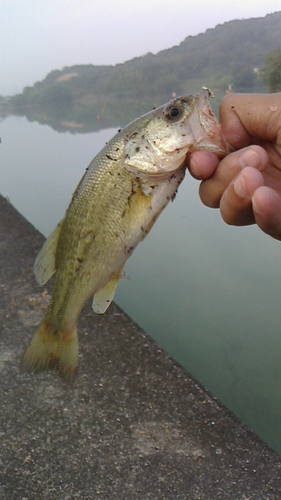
x=134 y=426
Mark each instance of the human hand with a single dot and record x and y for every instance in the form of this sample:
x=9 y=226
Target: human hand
x=246 y=184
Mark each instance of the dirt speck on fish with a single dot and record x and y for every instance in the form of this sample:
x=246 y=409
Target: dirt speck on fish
x=123 y=191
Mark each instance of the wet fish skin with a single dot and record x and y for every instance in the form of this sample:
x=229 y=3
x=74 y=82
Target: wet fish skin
x=123 y=191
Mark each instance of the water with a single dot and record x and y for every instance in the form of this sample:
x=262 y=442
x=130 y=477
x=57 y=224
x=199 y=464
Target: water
x=208 y=293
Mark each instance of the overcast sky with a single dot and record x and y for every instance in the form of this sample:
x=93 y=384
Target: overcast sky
x=37 y=36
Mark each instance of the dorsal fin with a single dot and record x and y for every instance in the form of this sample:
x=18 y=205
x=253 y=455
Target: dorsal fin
x=45 y=263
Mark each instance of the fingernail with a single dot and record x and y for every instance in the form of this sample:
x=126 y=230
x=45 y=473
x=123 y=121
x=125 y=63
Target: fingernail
x=256 y=209
x=249 y=158
x=240 y=188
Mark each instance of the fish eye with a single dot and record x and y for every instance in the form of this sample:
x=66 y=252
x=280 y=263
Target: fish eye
x=173 y=112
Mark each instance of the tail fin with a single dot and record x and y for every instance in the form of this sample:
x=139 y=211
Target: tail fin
x=47 y=349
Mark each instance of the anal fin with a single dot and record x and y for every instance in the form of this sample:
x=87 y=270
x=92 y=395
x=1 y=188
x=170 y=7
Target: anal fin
x=104 y=296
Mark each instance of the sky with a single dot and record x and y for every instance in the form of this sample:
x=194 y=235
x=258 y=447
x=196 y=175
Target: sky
x=38 y=36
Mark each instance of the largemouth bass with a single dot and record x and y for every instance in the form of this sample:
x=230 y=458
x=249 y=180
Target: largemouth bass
x=123 y=191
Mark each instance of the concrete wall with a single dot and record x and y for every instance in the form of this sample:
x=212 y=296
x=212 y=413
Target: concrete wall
x=134 y=426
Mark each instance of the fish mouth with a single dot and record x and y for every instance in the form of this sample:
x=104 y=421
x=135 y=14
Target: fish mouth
x=206 y=129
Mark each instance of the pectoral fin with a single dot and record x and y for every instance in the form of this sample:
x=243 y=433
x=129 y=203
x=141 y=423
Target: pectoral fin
x=45 y=263
x=104 y=297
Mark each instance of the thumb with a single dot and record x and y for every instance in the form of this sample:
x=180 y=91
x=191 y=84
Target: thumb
x=251 y=119
x=267 y=211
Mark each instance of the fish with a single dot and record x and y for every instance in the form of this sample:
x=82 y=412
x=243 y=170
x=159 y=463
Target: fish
x=115 y=205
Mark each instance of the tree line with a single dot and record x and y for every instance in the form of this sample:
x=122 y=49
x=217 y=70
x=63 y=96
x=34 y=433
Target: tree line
x=241 y=55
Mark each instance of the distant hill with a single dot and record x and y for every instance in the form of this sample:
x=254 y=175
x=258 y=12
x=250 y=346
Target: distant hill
x=87 y=97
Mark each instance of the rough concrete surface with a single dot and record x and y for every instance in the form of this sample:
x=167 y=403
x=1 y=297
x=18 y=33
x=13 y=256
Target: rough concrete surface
x=134 y=425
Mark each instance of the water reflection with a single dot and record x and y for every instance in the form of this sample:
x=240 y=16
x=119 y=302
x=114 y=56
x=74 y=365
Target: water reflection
x=87 y=114
x=79 y=117
x=208 y=293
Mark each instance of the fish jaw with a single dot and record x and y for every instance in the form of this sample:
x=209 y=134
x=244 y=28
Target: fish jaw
x=159 y=147
x=205 y=128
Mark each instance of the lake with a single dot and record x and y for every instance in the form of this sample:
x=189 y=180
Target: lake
x=208 y=293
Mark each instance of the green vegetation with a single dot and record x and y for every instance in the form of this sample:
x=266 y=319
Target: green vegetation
x=86 y=97
x=271 y=73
